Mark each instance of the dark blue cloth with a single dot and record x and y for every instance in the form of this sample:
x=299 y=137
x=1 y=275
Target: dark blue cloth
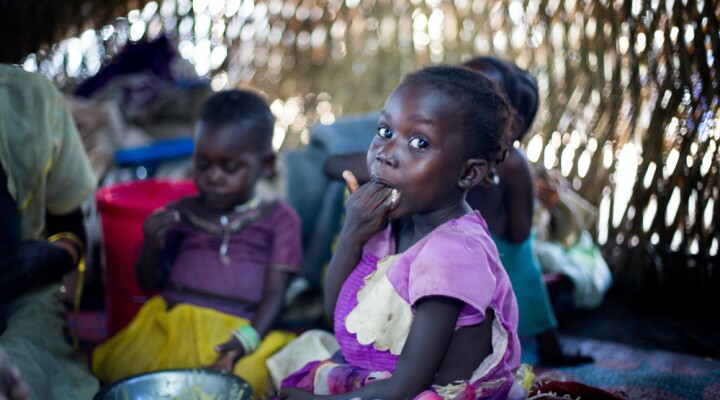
x=10 y=226
x=318 y=200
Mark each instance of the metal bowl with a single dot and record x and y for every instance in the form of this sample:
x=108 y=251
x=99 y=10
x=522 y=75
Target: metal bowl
x=178 y=384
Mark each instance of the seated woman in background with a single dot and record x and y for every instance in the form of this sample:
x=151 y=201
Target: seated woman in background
x=45 y=176
x=508 y=207
x=222 y=260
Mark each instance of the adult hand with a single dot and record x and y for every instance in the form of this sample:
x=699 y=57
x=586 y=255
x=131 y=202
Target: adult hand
x=30 y=264
x=366 y=209
x=158 y=224
x=228 y=354
x=36 y=254
x=70 y=247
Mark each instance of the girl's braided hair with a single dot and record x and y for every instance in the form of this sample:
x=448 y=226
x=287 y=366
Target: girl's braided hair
x=485 y=113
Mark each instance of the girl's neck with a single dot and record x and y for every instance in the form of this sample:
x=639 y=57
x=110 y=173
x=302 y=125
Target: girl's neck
x=214 y=216
x=415 y=227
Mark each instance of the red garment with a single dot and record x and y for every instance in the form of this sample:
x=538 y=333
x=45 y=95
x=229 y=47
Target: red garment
x=561 y=390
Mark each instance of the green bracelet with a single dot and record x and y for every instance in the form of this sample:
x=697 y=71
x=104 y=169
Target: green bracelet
x=248 y=338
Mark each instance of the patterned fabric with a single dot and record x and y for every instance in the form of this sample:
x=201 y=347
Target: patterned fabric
x=327 y=377
x=632 y=371
x=376 y=306
x=558 y=390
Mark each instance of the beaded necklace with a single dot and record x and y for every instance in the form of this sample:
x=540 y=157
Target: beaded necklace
x=225 y=224
x=241 y=216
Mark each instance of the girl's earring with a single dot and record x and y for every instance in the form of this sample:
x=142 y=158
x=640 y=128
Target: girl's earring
x=504 y=155
x=496 y=178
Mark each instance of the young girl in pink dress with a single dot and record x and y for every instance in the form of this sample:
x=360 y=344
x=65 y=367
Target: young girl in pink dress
x=422 y=306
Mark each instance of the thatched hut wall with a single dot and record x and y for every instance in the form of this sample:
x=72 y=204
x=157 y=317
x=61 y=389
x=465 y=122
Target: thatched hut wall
x=630 y=103
x=31 y=26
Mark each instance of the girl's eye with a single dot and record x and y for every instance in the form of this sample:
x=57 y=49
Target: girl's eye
x=202 y=165
x=419 y=143
x=384 y=132
x=231 y=168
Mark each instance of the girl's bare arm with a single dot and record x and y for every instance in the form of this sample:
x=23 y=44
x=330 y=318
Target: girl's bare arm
x=272 y=302
x=421 y=357
x=149 y=273
x=365 y=216
x=268 y=311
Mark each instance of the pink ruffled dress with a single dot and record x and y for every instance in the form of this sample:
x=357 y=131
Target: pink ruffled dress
x=375 y=309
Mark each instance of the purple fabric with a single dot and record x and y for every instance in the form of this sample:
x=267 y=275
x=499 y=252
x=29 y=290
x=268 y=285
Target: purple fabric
x=364 y=356
x=342 y=378
x=274 y=239
x=302 y=378
x=458 y=260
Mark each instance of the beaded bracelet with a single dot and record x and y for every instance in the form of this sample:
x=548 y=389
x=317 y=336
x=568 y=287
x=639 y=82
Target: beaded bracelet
x=248 y=338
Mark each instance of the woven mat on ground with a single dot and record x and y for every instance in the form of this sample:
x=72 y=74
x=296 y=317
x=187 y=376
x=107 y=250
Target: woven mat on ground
x=635 y=373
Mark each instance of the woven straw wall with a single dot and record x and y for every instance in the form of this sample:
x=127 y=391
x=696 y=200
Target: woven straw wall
x=629 y=90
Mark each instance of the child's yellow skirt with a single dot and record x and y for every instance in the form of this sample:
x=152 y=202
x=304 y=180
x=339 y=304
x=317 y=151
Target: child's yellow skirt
x=183 y=337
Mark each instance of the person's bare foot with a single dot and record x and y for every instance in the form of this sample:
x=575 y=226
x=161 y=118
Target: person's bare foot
x=12 y=386
x=552 y=354
x=566 y=360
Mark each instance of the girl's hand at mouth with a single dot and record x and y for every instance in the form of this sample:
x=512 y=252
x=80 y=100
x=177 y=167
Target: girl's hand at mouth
x=366 y=208
x=353 y=185
x=351 y=181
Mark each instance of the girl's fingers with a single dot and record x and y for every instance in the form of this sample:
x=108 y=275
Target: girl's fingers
x=380 y=200
x=373 y=198
x=164 y=218
x=231 y=344
x=351 y=181
x=168 y=219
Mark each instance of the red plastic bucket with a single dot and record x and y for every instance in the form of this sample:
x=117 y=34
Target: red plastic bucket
x=123 y=209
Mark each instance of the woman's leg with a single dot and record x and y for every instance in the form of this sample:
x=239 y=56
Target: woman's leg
x=12 y=385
